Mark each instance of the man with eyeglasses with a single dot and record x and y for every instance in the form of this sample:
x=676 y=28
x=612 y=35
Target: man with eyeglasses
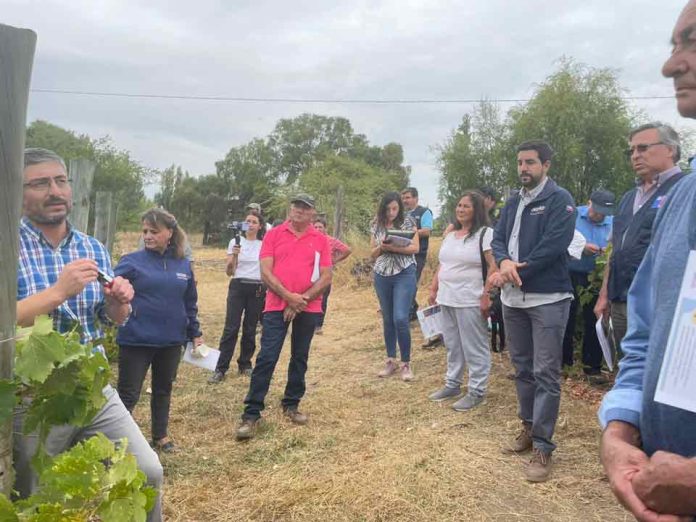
x=57 y=275
x=654 y=151
x=648 y=446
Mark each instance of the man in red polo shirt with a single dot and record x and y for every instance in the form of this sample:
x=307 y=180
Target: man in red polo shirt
x=296 y=267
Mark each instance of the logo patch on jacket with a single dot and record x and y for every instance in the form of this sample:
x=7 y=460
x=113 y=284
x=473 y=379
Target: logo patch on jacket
x=659 y=201
x=537 y=210
x=569 y=209
x=183 y=277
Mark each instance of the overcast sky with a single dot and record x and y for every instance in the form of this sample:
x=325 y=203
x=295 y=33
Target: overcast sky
x=390 y=49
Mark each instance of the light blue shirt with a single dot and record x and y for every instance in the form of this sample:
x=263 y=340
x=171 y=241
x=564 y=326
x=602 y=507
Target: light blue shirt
x=652 y=301
x=595 y=233
x=427 y=219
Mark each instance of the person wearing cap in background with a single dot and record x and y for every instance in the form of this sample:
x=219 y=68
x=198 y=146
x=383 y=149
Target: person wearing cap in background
x=296 y=268
x=594 y=222
x=255 y=207
x=654 y=151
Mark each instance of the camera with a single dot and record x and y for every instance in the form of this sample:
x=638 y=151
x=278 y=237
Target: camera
x=237 y=228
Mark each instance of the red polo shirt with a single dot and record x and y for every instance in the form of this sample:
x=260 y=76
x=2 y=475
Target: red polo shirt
x=293 y=262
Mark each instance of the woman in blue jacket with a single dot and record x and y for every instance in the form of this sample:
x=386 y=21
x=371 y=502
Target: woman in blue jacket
x=163 y=318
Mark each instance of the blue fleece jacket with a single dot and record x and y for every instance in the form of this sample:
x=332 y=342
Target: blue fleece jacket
x=652 y=300
x=165 y=305
x=546 y=230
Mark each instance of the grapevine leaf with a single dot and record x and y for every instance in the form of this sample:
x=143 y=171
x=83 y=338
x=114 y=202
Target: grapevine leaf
x=7 y=510
x=8 y=399
x=37 y=356
x=125 y=470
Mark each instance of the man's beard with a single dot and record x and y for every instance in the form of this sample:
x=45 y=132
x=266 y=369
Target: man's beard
x=44 y=219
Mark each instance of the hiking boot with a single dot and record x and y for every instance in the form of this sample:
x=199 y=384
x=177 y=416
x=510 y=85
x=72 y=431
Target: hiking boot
x=389 y=369
x=406 y=373
x=467 y=402
x=216 y=378
x=522 y=443
x=539 y=467
x=444 y=393
x=247 y=429
x=245 y=372
x=295 y=416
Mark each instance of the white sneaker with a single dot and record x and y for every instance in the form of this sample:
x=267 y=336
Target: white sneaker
x=406 y=373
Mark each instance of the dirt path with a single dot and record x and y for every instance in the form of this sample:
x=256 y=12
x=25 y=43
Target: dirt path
x=374 y=450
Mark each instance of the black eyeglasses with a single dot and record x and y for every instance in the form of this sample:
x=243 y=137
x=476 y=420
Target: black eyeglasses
x=641 y=147
x=43 y=184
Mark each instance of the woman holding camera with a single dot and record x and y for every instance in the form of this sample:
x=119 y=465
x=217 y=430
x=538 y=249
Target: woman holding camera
x=395 y=279
x=163 y=318
x=246 y=295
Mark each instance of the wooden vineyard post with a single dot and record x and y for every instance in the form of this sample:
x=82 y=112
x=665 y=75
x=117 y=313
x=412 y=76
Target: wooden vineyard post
x=339 y=213
x=16 y=59
x=102 y=215
x=82 y=174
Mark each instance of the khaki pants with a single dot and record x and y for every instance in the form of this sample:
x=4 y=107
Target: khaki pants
x=619 y=321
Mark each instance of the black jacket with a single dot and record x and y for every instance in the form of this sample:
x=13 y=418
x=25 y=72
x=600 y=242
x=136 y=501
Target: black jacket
x=546 y=230
x=631 y=235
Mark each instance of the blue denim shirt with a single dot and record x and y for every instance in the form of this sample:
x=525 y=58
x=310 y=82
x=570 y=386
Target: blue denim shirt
x=652 y=301
x=595 y=233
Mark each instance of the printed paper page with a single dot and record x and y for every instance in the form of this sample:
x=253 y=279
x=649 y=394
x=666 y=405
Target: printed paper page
x=676 y=385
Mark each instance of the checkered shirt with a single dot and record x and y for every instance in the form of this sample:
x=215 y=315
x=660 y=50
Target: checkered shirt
x=40 y=265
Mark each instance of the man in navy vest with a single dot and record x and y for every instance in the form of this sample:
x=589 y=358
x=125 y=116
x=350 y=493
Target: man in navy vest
x=653 y=151
x=648 y=447
x=424 y=223
x=530 y=245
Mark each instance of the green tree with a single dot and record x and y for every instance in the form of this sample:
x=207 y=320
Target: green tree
x=363 y=186
x=581 y=112
x=169 y=179
x=115 y=170
x=476 y=154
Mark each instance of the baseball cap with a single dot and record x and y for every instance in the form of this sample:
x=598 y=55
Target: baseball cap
x=603 y=202
x=254 y=206
x=303 y=198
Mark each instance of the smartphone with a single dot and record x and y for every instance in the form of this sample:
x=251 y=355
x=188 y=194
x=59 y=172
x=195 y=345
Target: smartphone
x=105 y=279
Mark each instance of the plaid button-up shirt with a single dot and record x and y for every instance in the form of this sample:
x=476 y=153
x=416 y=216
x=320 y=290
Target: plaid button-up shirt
x=40 y=265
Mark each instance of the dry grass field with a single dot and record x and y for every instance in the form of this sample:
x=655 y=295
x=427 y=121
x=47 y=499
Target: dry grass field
x=375 y=449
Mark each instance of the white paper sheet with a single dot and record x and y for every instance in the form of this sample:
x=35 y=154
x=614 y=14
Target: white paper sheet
x=315 y=272
x=604 y=343
x=430 y=320
x=209 y=362
x=676 y=385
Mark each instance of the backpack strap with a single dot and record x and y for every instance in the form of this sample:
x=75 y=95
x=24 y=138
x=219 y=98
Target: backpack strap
x=484 y=264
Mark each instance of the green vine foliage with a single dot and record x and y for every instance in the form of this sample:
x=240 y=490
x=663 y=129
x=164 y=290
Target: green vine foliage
x=93 y=481
x=595 y=279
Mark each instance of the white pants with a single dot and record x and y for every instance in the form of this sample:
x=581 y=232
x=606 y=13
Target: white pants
x=465 y=334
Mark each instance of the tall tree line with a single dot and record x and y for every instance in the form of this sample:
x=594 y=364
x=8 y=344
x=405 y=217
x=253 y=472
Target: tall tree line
x=580 y=111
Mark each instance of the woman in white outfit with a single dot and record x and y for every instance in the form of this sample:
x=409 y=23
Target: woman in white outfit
x=458 y=287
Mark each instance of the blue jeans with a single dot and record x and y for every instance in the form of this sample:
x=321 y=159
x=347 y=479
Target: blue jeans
x=395 y=294
x=274 y=331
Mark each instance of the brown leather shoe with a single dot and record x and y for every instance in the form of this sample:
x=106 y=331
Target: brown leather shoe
x=522 y=443
x=247 y=429
x=296 y=417
x=539 y=468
